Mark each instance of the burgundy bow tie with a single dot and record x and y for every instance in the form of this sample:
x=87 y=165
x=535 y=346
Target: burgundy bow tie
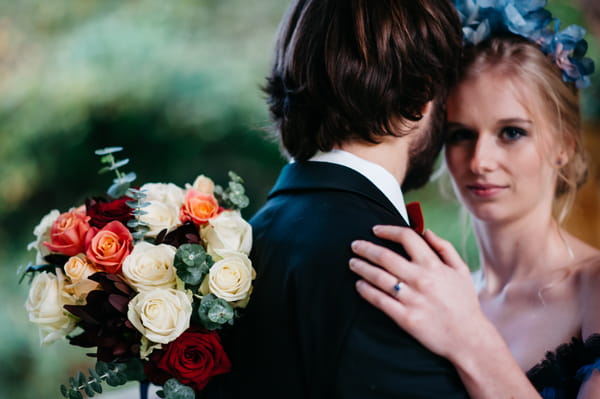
x=415 y=217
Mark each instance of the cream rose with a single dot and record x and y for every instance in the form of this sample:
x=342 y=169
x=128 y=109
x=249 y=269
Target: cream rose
x=230 y=278
x=204 y=185
x=227 y=232
x=42 y=233
x=45 y=306
x=150 y=266
x=78 y=268
x=161 y=315
x=164 y=200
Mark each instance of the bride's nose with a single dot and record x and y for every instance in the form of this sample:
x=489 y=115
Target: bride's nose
x=484 y=156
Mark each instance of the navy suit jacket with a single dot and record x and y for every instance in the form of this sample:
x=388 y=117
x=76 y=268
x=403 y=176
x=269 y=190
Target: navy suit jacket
x=306 y=333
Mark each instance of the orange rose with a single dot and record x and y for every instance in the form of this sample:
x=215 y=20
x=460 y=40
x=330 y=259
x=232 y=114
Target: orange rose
x=198 y=207
x=68 y=232
x=109 y=247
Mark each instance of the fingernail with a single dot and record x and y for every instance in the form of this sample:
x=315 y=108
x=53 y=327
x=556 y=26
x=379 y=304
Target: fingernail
x=376 y=229
x=356 y=244
x=360 y=284
x=353 y=263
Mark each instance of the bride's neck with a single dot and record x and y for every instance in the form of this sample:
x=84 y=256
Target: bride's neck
x=518 y=250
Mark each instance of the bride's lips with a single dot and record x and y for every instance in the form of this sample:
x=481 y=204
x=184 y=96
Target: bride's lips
x=485 y=190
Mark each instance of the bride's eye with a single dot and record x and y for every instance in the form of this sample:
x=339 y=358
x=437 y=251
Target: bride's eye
x=458 y=135
x=511 y=133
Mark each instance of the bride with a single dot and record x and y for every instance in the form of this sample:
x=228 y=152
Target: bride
x=529 y=325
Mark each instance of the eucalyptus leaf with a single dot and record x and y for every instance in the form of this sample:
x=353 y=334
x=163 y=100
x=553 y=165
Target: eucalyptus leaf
x=75 y=395
x=104 y=170
x=93 y=375
x=89 y=391
x=101 y=368
x=118 y=189
x=213 y=312
x=108 y=150
x=221 y=312
x=235 y=177
x=192 y=263
x=236 y=188
x=173 y=389
x=120 y=163
x=96 y=386
x=128 y=178
x=81 y=379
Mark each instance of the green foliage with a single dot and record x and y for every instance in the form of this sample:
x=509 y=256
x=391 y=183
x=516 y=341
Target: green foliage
x=140 y=228
x=174 y=389
x=234 y=196
x=33 y=269
x=123 y=181
x=215 y=312
x=192 y=263
x=113 y=374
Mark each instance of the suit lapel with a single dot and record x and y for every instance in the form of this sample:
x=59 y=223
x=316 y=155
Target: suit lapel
x=310 y=175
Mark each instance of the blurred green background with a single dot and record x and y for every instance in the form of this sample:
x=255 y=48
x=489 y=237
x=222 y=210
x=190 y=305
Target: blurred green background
x=176 y=84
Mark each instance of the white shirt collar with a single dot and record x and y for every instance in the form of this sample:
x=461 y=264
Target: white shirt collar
x=378 y=175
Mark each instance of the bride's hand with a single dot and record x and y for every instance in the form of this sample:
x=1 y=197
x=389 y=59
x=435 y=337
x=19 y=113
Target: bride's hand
x=431 y=296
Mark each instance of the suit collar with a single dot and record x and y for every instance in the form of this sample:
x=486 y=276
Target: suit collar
x=311 y=175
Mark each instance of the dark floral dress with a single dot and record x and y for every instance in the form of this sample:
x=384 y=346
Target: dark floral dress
x=561 y=373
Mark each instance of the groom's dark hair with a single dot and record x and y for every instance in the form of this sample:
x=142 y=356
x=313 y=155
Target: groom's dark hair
x=358 y=69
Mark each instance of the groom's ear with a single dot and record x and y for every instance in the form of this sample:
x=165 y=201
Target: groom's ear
x=427 y=107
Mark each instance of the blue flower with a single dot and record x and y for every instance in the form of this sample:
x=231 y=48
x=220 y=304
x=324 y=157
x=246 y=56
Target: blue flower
x=529 y=19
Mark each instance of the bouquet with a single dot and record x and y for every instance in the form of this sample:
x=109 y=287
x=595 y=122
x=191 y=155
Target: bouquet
x=147 y=276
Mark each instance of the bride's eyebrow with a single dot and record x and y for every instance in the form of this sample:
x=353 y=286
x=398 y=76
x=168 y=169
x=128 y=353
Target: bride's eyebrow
x=508 y=121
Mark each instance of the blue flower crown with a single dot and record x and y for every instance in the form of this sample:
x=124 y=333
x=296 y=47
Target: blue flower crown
x=529 y=19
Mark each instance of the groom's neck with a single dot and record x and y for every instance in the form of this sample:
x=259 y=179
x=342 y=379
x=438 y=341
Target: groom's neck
x=391 y=153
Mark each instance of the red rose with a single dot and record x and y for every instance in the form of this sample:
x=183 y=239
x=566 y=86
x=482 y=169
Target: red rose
x=193 y=359
x=102 y=212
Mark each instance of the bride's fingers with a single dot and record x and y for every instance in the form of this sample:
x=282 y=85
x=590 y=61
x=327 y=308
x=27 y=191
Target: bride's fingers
x=445 y=250
x=390 y=306
x=395 y=264
x=376 y=276
x=414 y=245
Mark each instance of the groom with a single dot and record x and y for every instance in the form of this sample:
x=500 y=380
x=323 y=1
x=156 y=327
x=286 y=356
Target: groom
x=355 y=94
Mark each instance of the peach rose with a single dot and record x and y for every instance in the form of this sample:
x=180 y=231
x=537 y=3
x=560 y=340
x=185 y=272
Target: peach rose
x=68 y=232
x=109 y=247
x=204 y=185
x=78 y=268
x=198 y=207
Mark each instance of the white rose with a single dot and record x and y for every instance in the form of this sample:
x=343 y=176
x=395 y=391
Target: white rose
x=45 y=306
x=78 y=268
x=227 y=232
x=230 y=278
x=165 y=200
x=150 y=266
x=167 y=193
x=161 y=315
x=204 y=185
x=42 y=233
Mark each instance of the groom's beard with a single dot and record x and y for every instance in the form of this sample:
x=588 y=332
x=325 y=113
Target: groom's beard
x=424 y=151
